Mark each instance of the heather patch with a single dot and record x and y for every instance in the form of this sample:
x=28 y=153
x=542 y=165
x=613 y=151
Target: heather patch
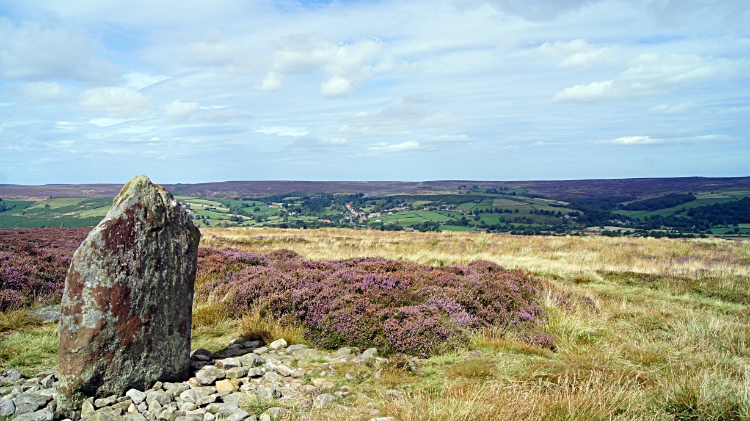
x=34 y=263
x=396 y=306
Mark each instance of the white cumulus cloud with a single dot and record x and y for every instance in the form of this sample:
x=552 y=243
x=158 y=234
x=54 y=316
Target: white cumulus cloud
x=650 y=74
x=178 y=110
x=346 y=65
x=675 y=109
x=635 y=140
x=590 y=92
x=401 y=147
x=271 y=82
x=44 y=92
x=397 y=116
x=32 y=52
x=115 y=102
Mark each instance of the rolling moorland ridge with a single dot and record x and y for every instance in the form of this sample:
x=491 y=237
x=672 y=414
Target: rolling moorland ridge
x=670 y=207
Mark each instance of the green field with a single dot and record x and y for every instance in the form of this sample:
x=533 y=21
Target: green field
x=670 y=211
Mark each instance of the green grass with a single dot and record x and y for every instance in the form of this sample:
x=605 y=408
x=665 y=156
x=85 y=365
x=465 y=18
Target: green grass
x=58 y=203
x=670 y=211
x=31 y=351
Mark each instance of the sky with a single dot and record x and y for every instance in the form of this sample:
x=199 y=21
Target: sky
x=196 y=91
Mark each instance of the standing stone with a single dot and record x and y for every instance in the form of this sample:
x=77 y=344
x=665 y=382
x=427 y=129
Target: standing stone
x=127 y=304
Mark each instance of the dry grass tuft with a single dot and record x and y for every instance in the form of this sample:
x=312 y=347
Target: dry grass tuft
x=473 y=368
x=17 y=320
x=253 y=326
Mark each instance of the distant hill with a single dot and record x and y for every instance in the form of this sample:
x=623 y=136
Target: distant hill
x=640 y=188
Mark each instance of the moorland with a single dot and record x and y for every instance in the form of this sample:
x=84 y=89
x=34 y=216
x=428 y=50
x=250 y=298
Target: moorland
x=576 y=327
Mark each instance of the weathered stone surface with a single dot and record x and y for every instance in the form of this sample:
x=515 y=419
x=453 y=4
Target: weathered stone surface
x=7 y=408
x=136 y=395
x=46 y=314
x=251 y=360
x=276 y=412
x=228 y=363
x=201 y=354
x=9 y=376
x=158 y=396
x=222 y=409
x=277 y=344
x=209 y=374
x=268 y=392
x=323 y=400
x=239 y=415
x=237 y=398
x=291 y=349
x=127 y=305
x=284 y=370
x=226 y=386
x=42 y=415
x=237 y=372
x=30 y=402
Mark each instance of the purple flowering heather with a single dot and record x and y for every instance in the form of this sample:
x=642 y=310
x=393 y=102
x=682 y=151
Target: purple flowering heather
x=34 y=262
x=393 y=305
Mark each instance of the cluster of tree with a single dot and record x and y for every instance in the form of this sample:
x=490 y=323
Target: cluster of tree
x=737 y=212
x=663 y=202
x=427 y=226
x=545 y=212
x=601 y=203
x=496 y=210
x=3 y=206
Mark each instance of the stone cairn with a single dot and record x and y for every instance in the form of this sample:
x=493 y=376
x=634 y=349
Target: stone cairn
x=245 y=382
x=128 y=299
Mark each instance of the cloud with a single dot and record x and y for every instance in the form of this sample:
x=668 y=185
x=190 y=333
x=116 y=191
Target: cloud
x=590 y=92
x=441 y=120
x=211 y=54
x=336 y=86
x=579 y=53
x=271 y=82
x=534 y=10
x=115 y=102
x=649 y=74
x=43 y=92
x=137 y=81
x=106 y=122
x=179 y=110
x=636 y=140
x=398 y=116
x=220 y=114
x=32 y=52
x=461 y=138
x=346 y=65
x=401 y=147
x=647 y=140
x=283 y=131
x=675 y=109
x=318 y=143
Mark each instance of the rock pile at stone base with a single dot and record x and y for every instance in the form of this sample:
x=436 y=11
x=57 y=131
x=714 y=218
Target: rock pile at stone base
x=294 y=380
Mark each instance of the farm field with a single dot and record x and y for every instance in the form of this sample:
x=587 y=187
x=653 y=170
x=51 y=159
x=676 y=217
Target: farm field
x=481 y=207
x=644 y=328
